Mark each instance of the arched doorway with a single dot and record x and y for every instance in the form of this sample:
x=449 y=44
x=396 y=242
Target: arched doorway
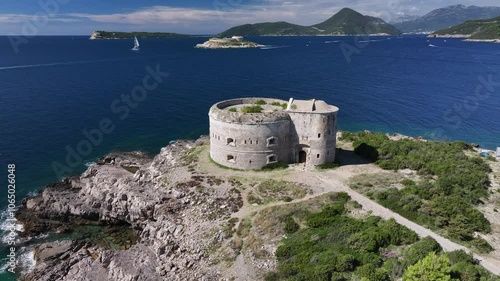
x=302 y=156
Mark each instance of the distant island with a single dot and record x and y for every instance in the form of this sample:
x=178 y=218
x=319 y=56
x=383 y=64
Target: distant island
x=345 y=22
x=484 y=30
x=235 y=42
x=108 y=35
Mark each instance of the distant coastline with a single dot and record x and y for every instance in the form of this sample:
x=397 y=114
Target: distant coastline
x=110 y=35
x=481 y=30
x=467 y=38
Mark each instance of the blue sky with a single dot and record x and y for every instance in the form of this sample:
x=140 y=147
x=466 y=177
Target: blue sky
x=60 y=17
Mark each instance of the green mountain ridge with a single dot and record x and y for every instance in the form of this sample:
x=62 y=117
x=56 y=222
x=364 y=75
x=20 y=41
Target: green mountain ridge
x=484 y=29
x=345 y=22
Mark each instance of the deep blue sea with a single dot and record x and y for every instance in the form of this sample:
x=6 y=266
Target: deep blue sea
x=56 y=87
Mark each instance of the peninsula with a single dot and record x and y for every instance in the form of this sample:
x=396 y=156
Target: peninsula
x=484 y=30
x=199 y=210
x=235 y=42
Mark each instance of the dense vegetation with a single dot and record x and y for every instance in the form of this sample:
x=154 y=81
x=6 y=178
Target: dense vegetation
x=478 y=29
x=334 y=246
x=129 y=35
x=347 y=21
x=453 y=183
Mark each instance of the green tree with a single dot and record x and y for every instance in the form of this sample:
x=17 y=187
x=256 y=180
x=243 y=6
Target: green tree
x=420 y=250
x=430 y=268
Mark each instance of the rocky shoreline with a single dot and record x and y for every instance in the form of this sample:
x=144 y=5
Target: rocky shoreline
x=169 y=208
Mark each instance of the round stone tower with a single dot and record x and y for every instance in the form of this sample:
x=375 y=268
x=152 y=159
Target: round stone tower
x=249 y=133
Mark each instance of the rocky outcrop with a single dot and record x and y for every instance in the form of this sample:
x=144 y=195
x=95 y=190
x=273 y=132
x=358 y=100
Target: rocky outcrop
x=95 y=35
x=175 y=212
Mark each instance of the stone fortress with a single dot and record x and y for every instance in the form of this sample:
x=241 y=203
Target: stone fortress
x=250 y=133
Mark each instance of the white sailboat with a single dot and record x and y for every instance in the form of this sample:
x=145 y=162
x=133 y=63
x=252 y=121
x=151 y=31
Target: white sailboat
x=136 y=44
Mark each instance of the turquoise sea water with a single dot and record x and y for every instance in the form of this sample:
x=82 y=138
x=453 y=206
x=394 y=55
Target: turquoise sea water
x=57 y=87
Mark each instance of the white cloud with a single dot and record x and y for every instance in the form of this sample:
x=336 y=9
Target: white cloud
x=173 y=15
x=24 y=18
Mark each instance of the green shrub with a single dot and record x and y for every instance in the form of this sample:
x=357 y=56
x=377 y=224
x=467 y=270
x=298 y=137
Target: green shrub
x=481 y=245
x=251 y=109
x=232 y=109
x=432 y=267
x=260 y=102
x=460 y=256
x=369 y=272
x=420 y=250
x=283 y=105
x=290 y=225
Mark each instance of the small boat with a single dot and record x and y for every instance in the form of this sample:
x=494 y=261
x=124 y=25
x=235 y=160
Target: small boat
x=136 y=44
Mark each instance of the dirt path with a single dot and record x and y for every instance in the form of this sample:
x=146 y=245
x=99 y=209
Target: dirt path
x=385 y=213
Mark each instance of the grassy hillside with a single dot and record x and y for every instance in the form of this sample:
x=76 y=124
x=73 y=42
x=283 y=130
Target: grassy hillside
x=345 y=22
x=477 y=29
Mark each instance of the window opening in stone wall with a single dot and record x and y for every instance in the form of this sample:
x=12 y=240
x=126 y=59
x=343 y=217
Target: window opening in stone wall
x=271 y=159
x=271 y=141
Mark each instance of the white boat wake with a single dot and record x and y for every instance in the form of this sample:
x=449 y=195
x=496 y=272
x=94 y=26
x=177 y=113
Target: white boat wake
x=378 y=40
x=433 y=46
x=329 y=42
x=54 y=64
x=270 y=47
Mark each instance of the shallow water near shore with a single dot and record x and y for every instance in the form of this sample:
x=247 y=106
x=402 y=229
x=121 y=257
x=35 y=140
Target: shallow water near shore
x=56 y=87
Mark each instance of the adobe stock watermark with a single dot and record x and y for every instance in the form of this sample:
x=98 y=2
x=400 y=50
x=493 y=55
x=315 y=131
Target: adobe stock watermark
x=461 y=111
x=121 y=108
x=31 y=26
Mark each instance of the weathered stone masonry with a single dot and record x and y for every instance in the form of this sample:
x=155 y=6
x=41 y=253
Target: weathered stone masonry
x=304 y=132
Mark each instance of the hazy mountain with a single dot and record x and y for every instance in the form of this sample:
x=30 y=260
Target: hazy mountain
x=404 y=18
x=447 y=17
x=345 y=22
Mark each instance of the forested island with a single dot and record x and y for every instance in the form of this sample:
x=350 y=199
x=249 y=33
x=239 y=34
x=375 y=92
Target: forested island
x=107 y=35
